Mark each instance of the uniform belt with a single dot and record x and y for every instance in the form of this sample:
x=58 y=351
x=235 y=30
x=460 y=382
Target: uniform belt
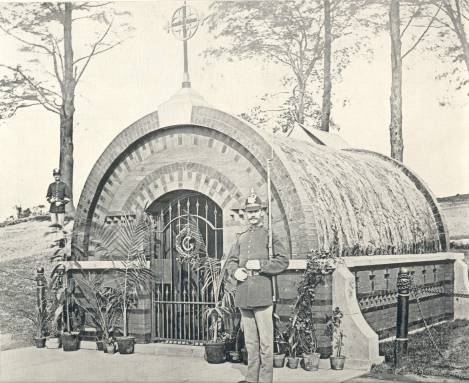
x=252 y=273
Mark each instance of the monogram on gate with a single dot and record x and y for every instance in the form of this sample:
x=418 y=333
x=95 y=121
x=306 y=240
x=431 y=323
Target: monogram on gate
x=189 y=244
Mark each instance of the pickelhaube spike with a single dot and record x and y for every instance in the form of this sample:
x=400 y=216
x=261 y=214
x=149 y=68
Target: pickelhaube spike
x=253 y=202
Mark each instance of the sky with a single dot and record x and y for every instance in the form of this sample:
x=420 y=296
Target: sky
x=130 y=81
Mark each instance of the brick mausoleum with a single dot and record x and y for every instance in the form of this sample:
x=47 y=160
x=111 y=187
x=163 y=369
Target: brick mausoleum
x=191 y=157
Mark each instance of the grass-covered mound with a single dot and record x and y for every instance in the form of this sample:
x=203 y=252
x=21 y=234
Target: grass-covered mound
x=23 y=248
x=423 y=357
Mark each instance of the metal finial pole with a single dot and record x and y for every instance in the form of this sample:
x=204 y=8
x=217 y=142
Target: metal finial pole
x=184 y=25
x=186 y=82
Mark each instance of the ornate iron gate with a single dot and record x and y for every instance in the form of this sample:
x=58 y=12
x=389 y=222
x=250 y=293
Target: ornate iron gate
x=178 y=298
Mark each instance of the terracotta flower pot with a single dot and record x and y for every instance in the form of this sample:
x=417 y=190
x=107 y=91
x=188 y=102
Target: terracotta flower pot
x=279 y=360
x=215 y=352
x=40 y=342
x=70 y=341
x=292 y=362
x=337 y=362
x=311 y=361
x=126 y=344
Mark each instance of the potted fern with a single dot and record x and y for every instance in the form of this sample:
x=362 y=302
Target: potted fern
x=335 y=331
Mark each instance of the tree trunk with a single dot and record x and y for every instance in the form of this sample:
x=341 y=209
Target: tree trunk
x=326 y=96
x=395 y=127
x=300 y=114
x=68 y=108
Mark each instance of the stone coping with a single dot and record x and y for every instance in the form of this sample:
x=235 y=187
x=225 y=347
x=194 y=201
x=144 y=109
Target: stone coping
x=375 y=260
x=300 y=264
x=96 y=265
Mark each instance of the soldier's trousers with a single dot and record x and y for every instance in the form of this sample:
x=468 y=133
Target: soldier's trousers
x=259 y=339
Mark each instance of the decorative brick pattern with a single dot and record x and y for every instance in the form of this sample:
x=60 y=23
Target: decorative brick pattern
x=376 y=289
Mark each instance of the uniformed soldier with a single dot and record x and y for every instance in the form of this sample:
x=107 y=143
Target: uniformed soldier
x=248 y=262
x=58 y=195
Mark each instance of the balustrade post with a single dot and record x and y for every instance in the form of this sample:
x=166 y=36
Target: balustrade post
x=41 y=293
x=402 y=324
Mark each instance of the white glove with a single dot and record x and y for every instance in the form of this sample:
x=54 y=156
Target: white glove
x=58 y=203
x=240 y=274
x=253 y=264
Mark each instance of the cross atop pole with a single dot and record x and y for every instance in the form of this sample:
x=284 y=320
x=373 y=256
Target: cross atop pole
x=184 y=25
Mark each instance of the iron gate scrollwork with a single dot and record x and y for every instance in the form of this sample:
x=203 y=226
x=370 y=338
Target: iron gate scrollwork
x=187 y=227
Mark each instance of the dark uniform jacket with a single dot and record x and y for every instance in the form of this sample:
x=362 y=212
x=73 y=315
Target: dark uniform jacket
x=59 y=190
x=256 y=290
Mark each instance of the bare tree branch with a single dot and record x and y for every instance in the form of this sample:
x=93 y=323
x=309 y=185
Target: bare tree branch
x=92 y=53
x=22 y=106
x=56 y=68
x=59 y=54
x=98 y=52
x=417 y=42
x=411 y=18
x=81 y=18
x=87 y=5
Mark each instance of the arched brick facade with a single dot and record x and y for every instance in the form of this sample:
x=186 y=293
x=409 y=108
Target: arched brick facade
x=146 y=160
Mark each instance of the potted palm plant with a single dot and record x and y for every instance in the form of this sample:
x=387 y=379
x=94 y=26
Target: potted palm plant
x=335 y=331
x=72 y=317
x=221 y=312
x=292 y=348
x=280 y=343
x=103 y=306
x=129 y=242
x=39 y=320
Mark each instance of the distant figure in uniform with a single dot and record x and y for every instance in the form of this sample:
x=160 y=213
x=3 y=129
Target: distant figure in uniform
x=58 y=195
x=248 y=262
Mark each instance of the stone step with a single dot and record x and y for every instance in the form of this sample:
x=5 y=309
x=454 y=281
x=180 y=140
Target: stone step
x=157 y=349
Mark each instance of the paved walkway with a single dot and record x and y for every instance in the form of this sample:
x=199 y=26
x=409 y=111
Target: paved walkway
x=47 y=365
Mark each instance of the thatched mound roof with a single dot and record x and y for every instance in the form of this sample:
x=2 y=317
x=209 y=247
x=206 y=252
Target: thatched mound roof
x=363 y=202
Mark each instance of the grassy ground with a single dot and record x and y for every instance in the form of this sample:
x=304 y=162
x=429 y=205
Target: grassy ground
x=423 y=357
x=23 y=248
